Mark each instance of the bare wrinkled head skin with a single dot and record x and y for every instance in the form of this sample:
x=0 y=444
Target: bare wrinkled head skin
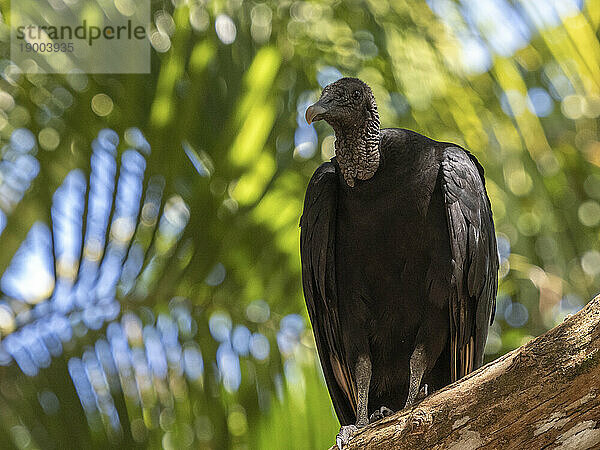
x=348 y=102
x=348 y=105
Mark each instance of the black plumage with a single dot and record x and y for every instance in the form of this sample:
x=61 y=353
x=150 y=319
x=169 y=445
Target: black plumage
x=399 y=260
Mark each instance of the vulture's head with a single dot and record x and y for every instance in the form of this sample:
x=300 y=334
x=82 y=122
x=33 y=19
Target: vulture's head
x=347 y=104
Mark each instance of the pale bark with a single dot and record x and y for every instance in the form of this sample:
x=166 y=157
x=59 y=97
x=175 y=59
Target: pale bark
x=545 y=394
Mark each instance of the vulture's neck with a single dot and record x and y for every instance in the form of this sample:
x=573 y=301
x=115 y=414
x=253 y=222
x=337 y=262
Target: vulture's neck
x=357 y=150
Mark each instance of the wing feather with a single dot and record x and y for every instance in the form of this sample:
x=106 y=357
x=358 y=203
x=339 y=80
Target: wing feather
x=317 y=250
x=475 y=259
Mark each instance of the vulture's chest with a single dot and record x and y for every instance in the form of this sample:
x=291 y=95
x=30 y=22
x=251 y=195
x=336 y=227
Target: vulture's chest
x=381 y=228
x=386 y=213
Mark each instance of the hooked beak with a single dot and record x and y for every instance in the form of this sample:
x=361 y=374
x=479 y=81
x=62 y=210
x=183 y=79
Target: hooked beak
x=314 y=112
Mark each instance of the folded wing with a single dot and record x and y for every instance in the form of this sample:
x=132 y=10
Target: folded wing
x=317 y=241
x=475 y=259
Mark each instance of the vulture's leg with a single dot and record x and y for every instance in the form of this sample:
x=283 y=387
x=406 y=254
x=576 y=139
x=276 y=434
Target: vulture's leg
x=362 y=375
x=418 y=365
x=343 y=437
x=429 y=344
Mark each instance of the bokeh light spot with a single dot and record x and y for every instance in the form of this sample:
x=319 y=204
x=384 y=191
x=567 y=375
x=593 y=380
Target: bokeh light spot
x=199 y=18
x=516 y=314
x=237 y=423
x=225 y=28
x=102 y=105
x=539 y=102
x=590 y=262
x=220 y=325
x=161 y=42
x=258 y=311
x=21 y=436
x=22 y=140
x=217 y=275
x=327 y=75
x=259 y=346
x=125 y=7
x=49 y=139
x=589 y=213
x=7 y=320
x=49 y=402
x=573 y=106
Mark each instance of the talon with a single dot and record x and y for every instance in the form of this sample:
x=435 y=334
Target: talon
x=385 y=411
x=380 y=413
x=375 y=416
x=343 y=437
x=423 y=392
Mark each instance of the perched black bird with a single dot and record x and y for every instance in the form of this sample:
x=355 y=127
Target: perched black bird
x=399 y=260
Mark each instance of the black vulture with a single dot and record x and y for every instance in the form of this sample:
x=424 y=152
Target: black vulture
x=399 y=260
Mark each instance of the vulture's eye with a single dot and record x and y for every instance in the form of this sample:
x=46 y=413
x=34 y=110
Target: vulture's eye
x=356 y=95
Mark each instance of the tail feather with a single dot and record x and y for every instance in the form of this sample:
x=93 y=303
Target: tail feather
x=462 y=360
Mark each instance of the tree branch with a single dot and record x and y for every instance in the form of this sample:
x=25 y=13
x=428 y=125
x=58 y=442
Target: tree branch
x=543 y=394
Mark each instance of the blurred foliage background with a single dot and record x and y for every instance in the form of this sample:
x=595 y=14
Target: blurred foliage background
x=150 y=290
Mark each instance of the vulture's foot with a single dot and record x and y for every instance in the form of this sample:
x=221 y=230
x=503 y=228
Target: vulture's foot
x=380 y=413
x=343 y=437
x=423 y=392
